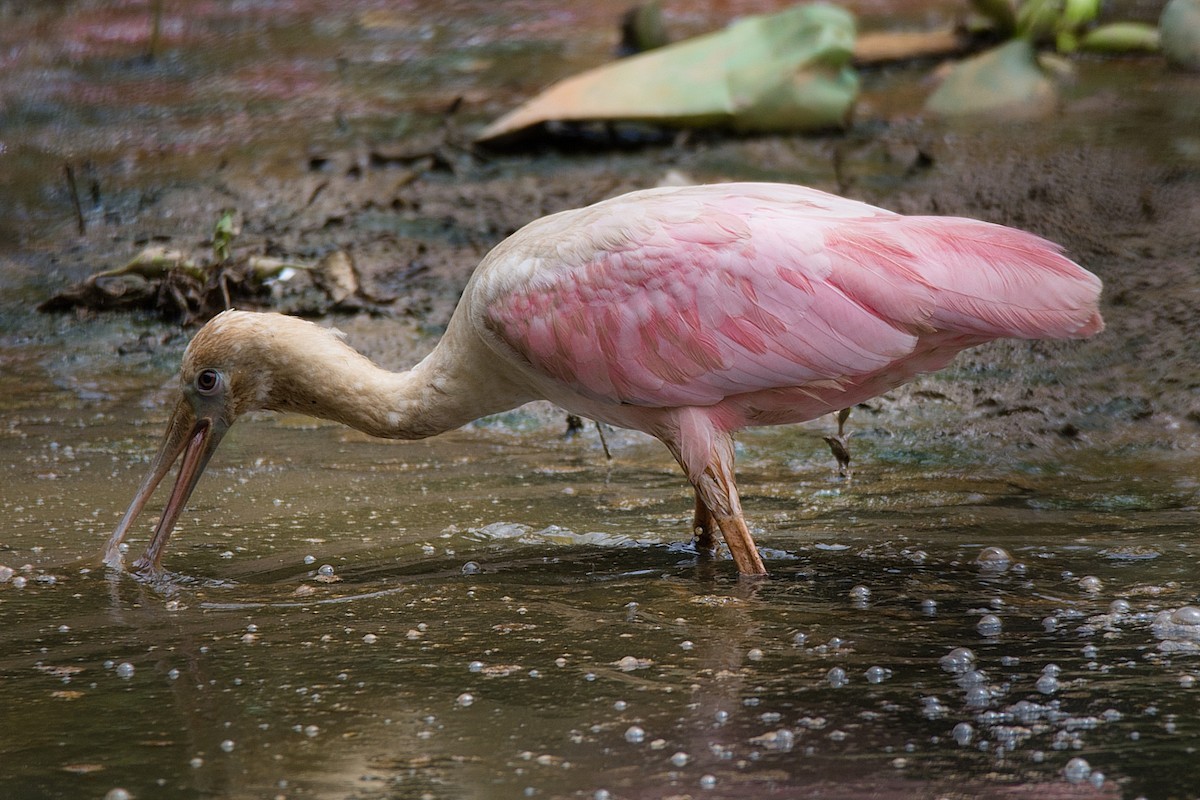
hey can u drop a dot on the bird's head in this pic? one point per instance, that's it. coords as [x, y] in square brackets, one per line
[227, 370]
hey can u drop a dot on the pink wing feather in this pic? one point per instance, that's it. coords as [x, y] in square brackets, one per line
[690, 296]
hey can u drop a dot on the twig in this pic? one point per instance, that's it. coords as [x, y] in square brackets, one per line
[79, 221]
[872, 49]
[155, 30]
[603, 441]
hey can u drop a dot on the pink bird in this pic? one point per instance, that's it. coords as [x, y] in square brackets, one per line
[686, 313]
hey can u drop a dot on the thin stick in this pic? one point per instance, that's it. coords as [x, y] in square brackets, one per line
[155, 29]
[79, 221]
[603, 441]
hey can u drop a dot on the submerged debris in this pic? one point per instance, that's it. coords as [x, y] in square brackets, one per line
[175, 285]
[171, 284]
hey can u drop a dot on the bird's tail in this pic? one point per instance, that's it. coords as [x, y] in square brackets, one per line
[973, 278]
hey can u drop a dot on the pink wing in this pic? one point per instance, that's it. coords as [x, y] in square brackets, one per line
[688, 297]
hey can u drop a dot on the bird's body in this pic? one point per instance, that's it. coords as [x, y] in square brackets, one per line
[686, 313]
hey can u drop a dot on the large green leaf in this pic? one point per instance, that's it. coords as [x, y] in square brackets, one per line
[788, 71]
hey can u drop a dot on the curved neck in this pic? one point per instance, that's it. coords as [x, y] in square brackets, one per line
[453, 385]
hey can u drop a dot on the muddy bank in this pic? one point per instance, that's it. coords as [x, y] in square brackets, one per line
[415, 226]
[1114, 176]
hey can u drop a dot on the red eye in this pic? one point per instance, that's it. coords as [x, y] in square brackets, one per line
[208, 381]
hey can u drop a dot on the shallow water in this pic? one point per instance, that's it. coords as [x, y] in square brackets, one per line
[509, 614]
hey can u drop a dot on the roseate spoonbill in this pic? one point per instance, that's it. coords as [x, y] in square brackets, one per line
[687, 313]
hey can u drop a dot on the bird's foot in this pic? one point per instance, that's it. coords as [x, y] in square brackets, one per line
[704, 541]
[841, 451]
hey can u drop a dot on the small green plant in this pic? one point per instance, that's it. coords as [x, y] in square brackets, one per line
[224, 233]
[1069, 25]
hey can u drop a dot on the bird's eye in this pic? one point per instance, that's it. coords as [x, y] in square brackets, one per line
[208, 381]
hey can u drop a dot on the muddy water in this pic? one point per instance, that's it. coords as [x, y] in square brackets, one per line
[502, 612]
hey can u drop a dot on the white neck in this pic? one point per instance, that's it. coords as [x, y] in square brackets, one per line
[312, 371]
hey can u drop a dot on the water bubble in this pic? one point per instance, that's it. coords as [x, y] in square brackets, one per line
[708, 781]
[227, 745]
[630, 663]
[475, 666]
[860, 594]
[878, 674]
[686, 645]
[1186, 615]
[1050, 624]
[1187, 681]
[721, 717]
[974, 677]
[620, 705]
[125, 670]
[755, 654]
[782, 740]
[1091, 584]
[994, 558]
[465, 699]
[680, 759]
[1097, 779]
[1077, 770]
[978, 696]
[929, 607]
[602, 794]
[118, 794]
[19, 582]
[799, 638]
[1119, 607]
[989, 625]
[471, 568]
[310, 559]
[932, 708]
[6, 573]
[173, 674]
[1047, 684]
[325, 570]
[197, 762]
[311, 731]
[963, 733]
[370, 638]
[836, 677]
[1052, 669]
[634, 734]
[957, 661]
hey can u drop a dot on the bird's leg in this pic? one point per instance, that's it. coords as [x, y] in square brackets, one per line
[839, 445]
[706, 455]
[704, 528]
[717, 492]
[745, 554]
